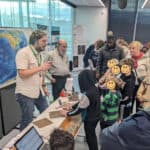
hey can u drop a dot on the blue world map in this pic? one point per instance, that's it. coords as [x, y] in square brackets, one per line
[10, 42]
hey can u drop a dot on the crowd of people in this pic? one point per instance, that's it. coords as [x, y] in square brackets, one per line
[115, 76]
[122, 73]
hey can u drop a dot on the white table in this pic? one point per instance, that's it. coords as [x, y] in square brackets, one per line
[45, 131]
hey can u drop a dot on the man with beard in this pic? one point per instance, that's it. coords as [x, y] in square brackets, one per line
[30, 87]
[60, 67]
[108, 52]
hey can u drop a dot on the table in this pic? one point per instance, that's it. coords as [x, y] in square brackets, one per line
[1, 130]
[46, 131]
[10, 110]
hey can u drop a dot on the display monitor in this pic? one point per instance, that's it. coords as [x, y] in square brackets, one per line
[31, 140]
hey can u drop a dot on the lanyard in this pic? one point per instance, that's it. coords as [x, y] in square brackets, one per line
[38, 58]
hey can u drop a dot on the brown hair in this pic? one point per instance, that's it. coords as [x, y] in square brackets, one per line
[127, 61]
[98, 44]
[122, 42]
[137, 44]
[61, 140]
[36, 35]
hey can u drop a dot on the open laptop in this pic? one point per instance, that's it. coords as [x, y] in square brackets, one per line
[31, 140]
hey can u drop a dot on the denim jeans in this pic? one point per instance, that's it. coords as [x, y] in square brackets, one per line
[27, 107]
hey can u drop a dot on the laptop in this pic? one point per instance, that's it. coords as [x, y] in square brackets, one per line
[31, 140]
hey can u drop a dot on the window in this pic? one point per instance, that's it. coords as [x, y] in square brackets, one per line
[131, 23]
[9, 14]
[122, 20]
[39, 13]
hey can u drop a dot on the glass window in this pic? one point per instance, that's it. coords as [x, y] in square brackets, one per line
[9, 14]
[62, 18]
[143, 24]
[122, 20]
[131, 23]
[39, 13]
[43, 14]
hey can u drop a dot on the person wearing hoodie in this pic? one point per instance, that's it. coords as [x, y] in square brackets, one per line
[88, 106]
[133, 133]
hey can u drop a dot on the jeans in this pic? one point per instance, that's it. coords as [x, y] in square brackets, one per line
[27, 107]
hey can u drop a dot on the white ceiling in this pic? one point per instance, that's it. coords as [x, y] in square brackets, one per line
[85, 2]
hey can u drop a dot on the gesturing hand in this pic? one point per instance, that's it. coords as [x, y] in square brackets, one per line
[45, 66]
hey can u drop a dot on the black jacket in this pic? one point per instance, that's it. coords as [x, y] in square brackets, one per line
[106, 54]
[129, 87]
[87, 87]
[87, 55]
[93, 111]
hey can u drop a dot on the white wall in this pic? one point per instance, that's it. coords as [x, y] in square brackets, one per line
[94, 20]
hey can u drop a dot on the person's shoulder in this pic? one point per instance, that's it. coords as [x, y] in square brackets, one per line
[143, 60]
[91, 47]
[103, 49]
[24, 50]
[147, 79]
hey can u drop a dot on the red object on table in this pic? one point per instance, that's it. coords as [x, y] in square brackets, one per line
[62, 94]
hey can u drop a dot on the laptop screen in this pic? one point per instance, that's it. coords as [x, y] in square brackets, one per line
[31, 140]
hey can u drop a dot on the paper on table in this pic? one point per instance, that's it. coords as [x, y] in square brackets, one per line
[73, 97]
[55, 114]
[71, 124]
[42, 123]
[73, 128]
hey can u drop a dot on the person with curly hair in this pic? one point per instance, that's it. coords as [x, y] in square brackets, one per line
[61, 140]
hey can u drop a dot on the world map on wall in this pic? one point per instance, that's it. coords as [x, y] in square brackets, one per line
[10, 42]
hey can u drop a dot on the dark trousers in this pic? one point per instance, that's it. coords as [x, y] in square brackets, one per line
[135, 99]
[105, 124]
[104, 92]
[58, 85]
[125, 108]
[91, 138]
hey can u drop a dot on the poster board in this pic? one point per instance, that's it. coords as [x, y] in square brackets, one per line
[11, 40]
[79, 46]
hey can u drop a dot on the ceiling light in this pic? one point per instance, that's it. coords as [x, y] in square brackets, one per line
[144, 4]
[102, 4]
